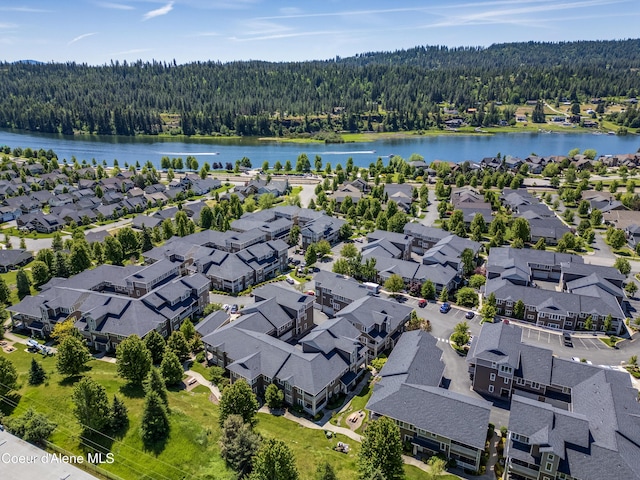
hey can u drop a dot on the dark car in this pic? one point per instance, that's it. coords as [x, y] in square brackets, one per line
[234, 308]
[469, 315]
[422, 303]
[566, 337]
[445, 307]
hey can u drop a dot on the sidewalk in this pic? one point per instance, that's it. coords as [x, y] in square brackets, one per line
[203, 381]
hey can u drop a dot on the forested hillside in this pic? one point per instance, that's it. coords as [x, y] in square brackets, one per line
[387, 91]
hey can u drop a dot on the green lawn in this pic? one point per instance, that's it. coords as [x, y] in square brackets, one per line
[610, 341]
[202, 370]
[192, 450]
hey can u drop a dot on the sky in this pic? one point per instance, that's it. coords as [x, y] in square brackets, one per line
[97, 32]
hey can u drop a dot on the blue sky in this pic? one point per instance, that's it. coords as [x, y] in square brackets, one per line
[97, 31]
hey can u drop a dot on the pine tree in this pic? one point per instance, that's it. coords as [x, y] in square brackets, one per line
[155, 383]
[37, 375]
[23, 284]
[155, 420]
[118, 416]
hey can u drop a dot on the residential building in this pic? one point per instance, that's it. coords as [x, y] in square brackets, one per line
[297, 306]
[432, 419]
[423, 237]
[335, 292]
[582, 291]
[401, 241]
[11, 259]
[322, 228]
[568, 420]
[379, 321]
[325, 363]
[108, 303]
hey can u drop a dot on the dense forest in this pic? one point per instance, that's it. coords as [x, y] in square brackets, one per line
[385, 91]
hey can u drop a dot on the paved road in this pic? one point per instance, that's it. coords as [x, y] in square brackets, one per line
[431, 214]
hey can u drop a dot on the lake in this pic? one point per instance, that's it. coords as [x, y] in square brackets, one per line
[455, 148]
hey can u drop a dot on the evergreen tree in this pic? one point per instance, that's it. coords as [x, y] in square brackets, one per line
[91, 405]
[8, 375]
[37, 375]
[118, 416]
[154, 426]
[178, 345]
[155, 383]
[238, 445]
[23, 284]
[156, 345]
[5, 293]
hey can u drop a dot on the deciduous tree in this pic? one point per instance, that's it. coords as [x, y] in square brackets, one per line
[156, 346]
[381, 449]
[133, 359]
[73, 356]
[91, 405]
[171, 368]
[274, 460]
[239, 399]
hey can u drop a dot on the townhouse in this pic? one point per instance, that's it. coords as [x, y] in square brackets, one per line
[327, 361]
[321, 228]
[379, 321]
[108, 303]
[423, 237]
[232, 269]
[401, 241]
[568, 420]
[543, 222]
[572, 290]
[335, 292]
[432, 419]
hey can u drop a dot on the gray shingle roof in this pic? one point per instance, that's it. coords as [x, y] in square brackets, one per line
[409, 391]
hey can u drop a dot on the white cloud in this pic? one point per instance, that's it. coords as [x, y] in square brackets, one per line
[7, 26]
[23, 9]
[158, 11]
[115, 6]
[80, 37]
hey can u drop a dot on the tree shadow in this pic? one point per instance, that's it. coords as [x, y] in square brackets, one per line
[94, 442]
[9, 402]
[157, 447]
[70, 380]
[132, 390]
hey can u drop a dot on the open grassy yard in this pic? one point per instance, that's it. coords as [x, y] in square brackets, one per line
[192, 449]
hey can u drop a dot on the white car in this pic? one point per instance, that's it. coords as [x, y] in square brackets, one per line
[226, 307]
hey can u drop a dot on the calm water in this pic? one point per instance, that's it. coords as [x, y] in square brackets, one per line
[456, 148]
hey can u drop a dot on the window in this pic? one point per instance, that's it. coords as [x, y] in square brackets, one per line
[548, 466]
[506, 381]
[550, 457]
[535, 385]
[492, 377]
[490, 388]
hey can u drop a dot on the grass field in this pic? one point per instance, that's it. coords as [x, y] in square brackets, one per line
[192, 448]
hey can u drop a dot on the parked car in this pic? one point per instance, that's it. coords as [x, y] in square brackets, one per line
[445, 307]
[234, 308]
[469, 315]
[566, 337]
[226, 307]
[290, 281]
[422, 303]
[310, 292]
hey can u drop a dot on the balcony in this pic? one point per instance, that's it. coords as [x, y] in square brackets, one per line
[467, 452]
[522, 470]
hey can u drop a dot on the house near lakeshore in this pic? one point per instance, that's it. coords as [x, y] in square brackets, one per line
[432, 419]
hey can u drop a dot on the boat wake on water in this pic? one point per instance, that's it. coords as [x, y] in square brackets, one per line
[358, 152]
[193, 154]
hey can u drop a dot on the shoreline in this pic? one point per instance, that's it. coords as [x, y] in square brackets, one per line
[361, 137]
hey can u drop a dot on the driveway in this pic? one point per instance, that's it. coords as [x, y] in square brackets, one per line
[431, 213]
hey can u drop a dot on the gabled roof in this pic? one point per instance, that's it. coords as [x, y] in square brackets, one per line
[409, 391]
